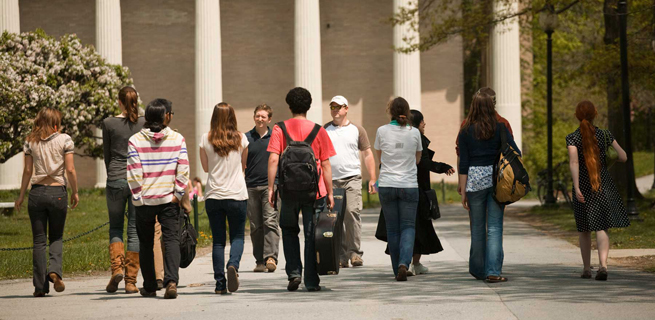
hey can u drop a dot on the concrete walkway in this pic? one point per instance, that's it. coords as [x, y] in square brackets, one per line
[543, 272]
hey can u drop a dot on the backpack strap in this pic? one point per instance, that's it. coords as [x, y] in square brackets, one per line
[283, 127]
[312, 135]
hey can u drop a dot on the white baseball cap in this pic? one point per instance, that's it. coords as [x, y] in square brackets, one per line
[340, 100]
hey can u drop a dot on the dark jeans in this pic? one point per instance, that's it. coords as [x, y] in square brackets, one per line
[291, 243]
[47, 205]
[399, 208]
[118, 195]
[168, 216]
[217, 212]
[486, 256]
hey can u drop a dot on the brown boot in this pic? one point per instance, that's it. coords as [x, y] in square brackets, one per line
[131, 271]
[117, 255]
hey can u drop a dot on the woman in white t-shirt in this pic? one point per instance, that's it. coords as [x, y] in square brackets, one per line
[398, 146]
[223, 154]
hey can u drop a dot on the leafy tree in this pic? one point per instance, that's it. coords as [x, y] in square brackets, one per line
[39, 71]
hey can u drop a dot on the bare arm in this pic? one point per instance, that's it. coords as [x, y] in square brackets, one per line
[418, 156]
[574, 166]
[462, 182]
[273, 160]
[623, 157]
[327, 178]
[25, 181]
[203, 160]
[244, 159]
[72, 178]
[369, 161]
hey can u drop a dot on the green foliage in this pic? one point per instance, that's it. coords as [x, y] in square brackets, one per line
[38, 71]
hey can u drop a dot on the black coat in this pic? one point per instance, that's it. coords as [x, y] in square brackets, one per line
[426, 240]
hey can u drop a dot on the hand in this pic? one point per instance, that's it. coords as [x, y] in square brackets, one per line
[450, 173]
[579, 196]
[19, 203]
[271, 197]
[186, 206]
[330, 202]
[465, 202]
[371, 187]
[75, 200]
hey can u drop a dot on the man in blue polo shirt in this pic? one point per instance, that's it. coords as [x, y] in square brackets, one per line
[264, 226]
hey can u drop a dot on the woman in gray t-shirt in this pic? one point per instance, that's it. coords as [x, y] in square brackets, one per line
[116, 131]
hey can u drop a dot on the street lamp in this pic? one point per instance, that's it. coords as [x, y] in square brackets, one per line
[633, 212]
[548, 22]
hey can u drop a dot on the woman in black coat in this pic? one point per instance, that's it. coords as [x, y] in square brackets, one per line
[426, 240]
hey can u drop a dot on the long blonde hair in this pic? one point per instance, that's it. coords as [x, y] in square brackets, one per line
[223, 134]
[47, 122]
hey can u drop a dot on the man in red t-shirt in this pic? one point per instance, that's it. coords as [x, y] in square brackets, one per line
[499, 118]
[298, 128]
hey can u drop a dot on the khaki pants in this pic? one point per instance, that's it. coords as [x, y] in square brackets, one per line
[352, 220]
[159, 254]
[264, 225]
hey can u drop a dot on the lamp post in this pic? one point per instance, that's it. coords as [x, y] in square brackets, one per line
[548, 22]
[633, 212]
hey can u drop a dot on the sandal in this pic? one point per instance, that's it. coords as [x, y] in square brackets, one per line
[495, 279]
[586, 274]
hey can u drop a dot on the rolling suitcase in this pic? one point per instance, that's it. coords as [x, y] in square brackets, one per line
[328, 233]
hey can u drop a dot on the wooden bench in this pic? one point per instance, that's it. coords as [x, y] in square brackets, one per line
[7, 208]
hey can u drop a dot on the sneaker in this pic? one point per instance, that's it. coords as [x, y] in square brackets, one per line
[293, 284]
[259, 268]
[58, 283]
[145, 293]
[419, 269]
[38, 294]
[160, 284]
[232, 279]
[343, 264]
[224, 291]
[357, 261]
[410, 272]
[402, 273]
[171, 291]
[271, 265]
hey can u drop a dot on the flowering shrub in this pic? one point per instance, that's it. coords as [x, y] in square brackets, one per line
[39, 71]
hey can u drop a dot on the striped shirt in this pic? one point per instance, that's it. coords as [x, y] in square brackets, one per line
[157, 167]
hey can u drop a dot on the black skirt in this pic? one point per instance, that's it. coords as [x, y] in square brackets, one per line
[426, 240]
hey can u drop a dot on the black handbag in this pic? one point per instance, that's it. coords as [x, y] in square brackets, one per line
[188, 241]
[433, 204]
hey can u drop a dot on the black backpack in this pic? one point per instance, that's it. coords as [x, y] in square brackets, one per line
[298, 173]
[188, 241]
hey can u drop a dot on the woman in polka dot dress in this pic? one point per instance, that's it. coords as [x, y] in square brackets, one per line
[597, 203]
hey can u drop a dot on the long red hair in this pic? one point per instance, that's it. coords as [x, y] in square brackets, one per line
[223, 134]
[586, 113]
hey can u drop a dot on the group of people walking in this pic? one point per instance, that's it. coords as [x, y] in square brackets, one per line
[148, 175]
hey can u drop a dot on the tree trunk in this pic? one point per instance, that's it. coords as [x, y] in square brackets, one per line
[614, 103]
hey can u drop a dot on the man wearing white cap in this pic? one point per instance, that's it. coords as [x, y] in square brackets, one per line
[349, 141]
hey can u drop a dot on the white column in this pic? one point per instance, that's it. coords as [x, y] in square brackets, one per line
[406, 66]
[308, 54]
[109, 46]
[506, 68]
[209, 80]
[12, 170]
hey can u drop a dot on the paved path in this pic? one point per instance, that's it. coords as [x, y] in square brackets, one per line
[644, 183]
[543, 272]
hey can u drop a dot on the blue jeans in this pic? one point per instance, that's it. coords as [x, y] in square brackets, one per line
[486, 215]
[399, 207]
[235, 212]
[291, 243]
[118, 195]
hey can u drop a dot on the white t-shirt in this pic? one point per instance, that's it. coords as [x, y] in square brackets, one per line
[226, 179]
[399, 146]
[348, 141]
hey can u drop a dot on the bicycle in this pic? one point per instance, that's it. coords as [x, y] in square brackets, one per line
[560, 187]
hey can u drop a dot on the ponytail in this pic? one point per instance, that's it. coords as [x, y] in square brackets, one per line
[398, 108]
[586, 112]
[130, 100]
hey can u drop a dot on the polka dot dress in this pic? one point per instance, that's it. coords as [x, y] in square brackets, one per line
[603, 209]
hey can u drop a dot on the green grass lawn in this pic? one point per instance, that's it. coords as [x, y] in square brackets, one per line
[639, 235]
[84, 255]
[643, 163]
